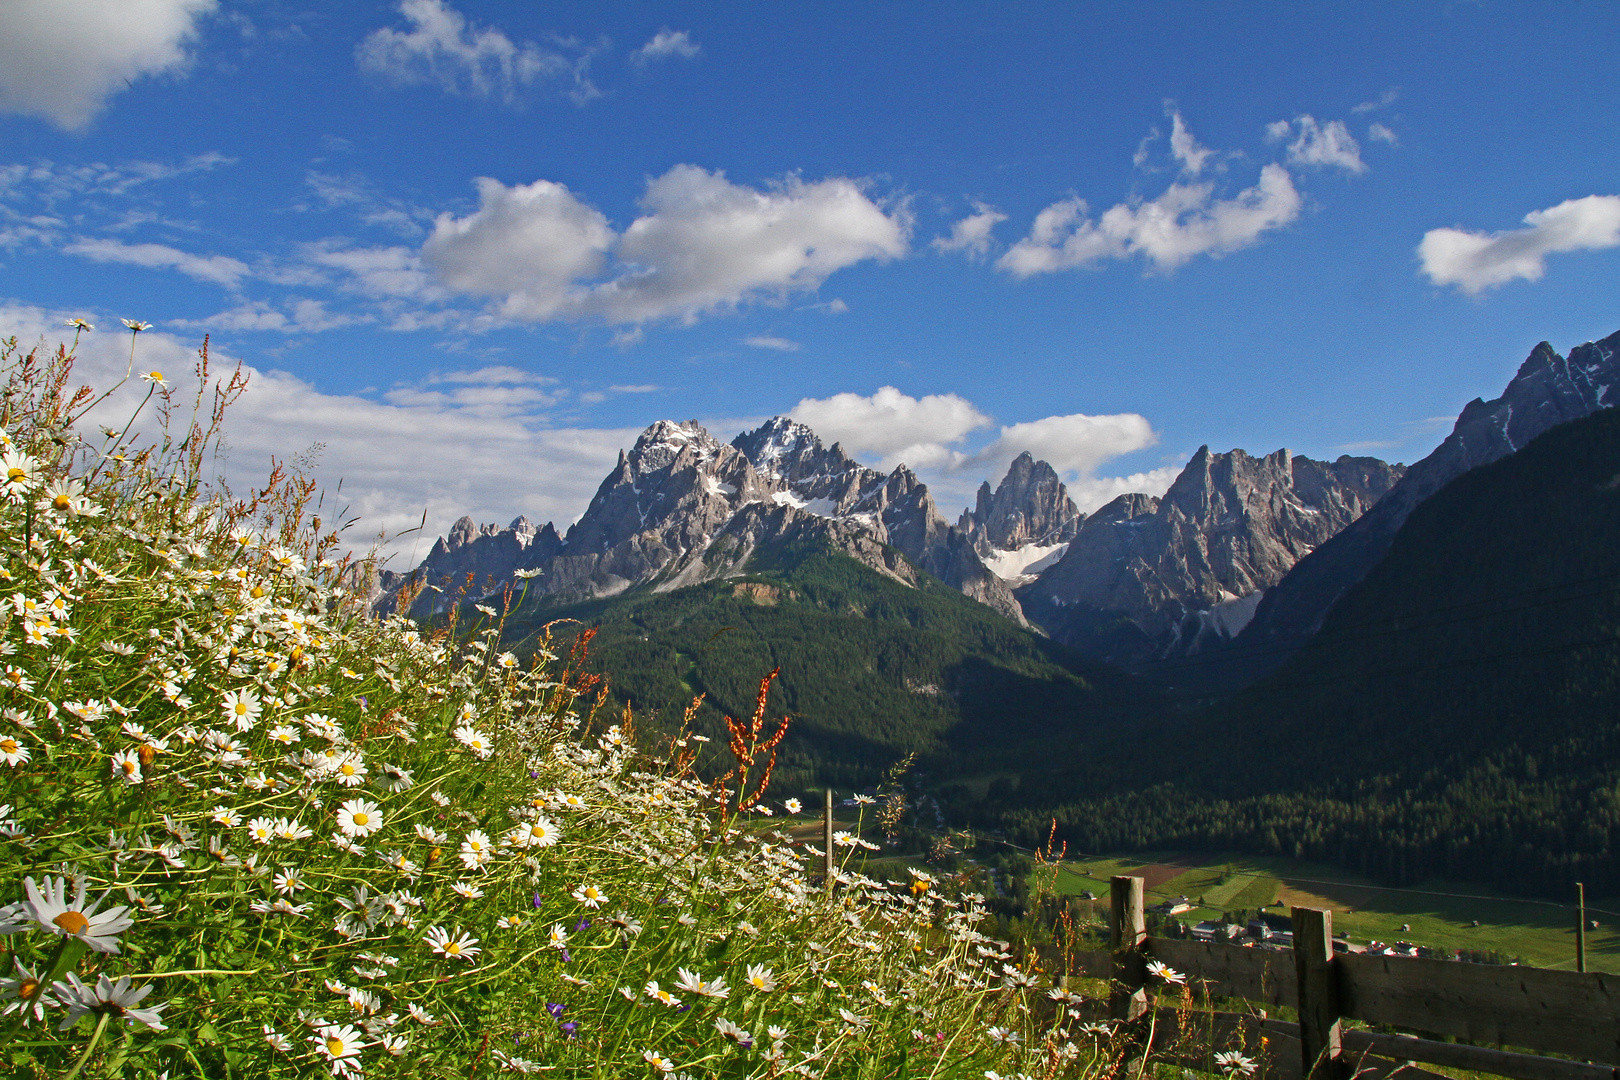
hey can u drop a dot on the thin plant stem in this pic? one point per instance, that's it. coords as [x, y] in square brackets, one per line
[95, 1039]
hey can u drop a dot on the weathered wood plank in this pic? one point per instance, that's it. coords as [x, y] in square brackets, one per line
[1475, 1058]
[1318, 987]
[1262, 975]
[1530, 1008]
[1127, 933]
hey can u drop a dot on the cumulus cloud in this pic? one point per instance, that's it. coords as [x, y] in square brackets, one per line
[1184, 222]
[972, 234]
[1475, 261]
[701, 243]
[667, 43]
[931, 435]
[1092, 493]
[486, 453]
[1328, 145]
[63, 60]
[441, 47]
[893, 427]
[1074, 445]
[527, 244]
[765, 341]
[219, 269]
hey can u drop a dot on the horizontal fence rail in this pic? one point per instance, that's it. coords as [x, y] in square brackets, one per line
[1535, 1009]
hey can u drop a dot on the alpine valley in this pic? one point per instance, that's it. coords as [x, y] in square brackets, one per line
[1040, 660]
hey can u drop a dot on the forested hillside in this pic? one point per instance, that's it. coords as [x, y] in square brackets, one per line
[1456, 716]
[871, 669]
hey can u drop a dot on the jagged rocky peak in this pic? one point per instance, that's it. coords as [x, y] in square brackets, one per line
[1029, 506]
[661, 444]
[1547, 390]
[1142, 574]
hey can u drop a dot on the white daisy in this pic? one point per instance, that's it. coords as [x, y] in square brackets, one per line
[359, 817]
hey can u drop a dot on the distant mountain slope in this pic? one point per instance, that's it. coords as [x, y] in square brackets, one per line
[1458, 714]
[1547, 390]
[872, 668]
[1146, 577]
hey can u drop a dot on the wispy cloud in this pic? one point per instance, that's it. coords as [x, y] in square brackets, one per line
[441, 47]
[667, 43]
[765, 341]
[218, 269]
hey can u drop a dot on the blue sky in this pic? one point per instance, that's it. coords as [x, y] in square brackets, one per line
[473, 247]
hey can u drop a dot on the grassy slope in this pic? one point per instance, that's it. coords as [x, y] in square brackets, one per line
[870, 669]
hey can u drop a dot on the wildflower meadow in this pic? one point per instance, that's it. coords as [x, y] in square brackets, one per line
[250, 829]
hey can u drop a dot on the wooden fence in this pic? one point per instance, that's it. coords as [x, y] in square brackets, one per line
[1528, 1009]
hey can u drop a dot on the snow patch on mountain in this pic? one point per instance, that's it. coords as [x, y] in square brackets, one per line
[1022, 565]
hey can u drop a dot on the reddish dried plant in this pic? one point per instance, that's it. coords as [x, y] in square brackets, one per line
[748, 747]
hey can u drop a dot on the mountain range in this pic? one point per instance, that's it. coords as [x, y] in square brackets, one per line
[1027, 651]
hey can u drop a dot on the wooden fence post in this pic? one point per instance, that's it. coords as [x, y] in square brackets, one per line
[1127, 931]
[826, 841]
[1321, 1053]
[1580, 926]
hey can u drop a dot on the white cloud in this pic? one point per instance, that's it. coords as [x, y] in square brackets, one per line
[308, 317]
[893, 427]
[1475, 261]
[1379, 133]
[1184, 222]
[1385, 100]
[62, 60]
[483, 453]
[1073, 445]
[219, 269]
[640, 388]
[528, 244]
[972, 234]
[1322, 145]
[376, 272]
[442, 47]
[1185, 148]
[929, 434]
[665, 43]
[702, 243]
[1092, 493]
[765, 341]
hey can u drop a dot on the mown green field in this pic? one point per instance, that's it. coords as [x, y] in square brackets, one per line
[1439, 915]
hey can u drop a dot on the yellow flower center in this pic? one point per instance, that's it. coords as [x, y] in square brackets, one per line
[155, 376]
[72, 921]
[240, 708]
[335, 1047]
[347, 769]
[362, 819]
[8, 746]
[27, 988]
[452, 949]
[62, 502]
[14, 474]
[129, 768]
[256, 592]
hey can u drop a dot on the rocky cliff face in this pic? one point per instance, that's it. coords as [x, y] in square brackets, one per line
[1547, 390]
[681, 507]
[1029, 506]
[1148, 577]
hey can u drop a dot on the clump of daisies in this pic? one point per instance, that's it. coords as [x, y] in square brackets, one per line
[249, 827]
